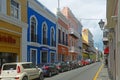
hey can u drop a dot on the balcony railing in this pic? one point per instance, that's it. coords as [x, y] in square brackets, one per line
[53, 43]
[33, 37]
[63, 42]
[105, 37]
[74, 49]
[44, 40]
[74, 33]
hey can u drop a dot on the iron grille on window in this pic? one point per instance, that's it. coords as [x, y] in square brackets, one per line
[33, 37]
[45, 40]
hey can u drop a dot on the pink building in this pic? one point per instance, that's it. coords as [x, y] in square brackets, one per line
[62, 37]
[74, 35]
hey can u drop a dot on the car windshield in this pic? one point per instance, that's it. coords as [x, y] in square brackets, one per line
[9, 67]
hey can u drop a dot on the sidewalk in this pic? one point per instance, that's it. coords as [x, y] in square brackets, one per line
[103, 75]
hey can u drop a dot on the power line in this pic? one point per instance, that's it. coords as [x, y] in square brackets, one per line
[91, 19]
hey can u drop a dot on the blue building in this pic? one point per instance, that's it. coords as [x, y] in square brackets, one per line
[41, 35]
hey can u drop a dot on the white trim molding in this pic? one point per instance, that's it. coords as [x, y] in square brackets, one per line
[38, 7]
[12, 20]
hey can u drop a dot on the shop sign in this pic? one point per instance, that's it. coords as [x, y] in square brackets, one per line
[7, 39]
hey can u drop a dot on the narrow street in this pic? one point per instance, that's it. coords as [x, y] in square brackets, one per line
[83, 73]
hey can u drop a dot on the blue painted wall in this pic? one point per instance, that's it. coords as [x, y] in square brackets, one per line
[40, 19]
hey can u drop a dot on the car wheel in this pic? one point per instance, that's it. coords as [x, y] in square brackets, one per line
[50, 74]
[41, 77]
[25, 78]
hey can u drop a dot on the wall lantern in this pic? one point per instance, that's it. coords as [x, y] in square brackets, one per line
[101, 24]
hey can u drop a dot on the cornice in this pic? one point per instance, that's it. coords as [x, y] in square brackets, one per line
[12, 20]
[63, 18]
[39, 8]
[39, 45]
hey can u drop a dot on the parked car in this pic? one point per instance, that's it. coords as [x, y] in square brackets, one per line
[87, 61]
[71, 65]
[49, 69]
[21, 71]
[0, 70]
[62, 66]
[75, 64]
[80, 63]
[83, 62]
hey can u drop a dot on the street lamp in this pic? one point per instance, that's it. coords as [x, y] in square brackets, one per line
[101, 24]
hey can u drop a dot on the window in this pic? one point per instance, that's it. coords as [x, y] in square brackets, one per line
[33, 30]
[44, 35]
[60, 57]
[52, 57]
[29, 65]
[52, 37]
[9, 67]
[15, 9]
[63, 37]
[44, 57]
[66, 39]
[33, 56]
[59, 36]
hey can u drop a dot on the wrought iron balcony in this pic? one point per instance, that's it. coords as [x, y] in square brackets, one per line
[53, 43]
[74, 33]
[33, 37]
[105, 37]
[44, 40]
[74, 49]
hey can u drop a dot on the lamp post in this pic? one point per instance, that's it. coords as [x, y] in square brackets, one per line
[101, 24]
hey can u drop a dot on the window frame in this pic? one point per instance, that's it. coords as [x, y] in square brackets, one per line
[46, 34]
[41, 52]
[52, 36]
[14, 9]
[35, 27]
[31, 56]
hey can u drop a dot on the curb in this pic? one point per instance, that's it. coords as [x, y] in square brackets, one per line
[97, 73]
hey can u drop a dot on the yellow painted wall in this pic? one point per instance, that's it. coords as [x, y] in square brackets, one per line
[23, 5]
[85, 35]
[23, 10]
[10, 26]
[8, 7]
[85, 55]
[9, 29]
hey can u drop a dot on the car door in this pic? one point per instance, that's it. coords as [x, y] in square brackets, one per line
[35, 71]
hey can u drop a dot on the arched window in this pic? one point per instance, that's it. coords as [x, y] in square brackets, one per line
[52, 37]
[33, 30]
[44, 35]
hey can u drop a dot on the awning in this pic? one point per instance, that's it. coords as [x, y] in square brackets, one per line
[106, 50]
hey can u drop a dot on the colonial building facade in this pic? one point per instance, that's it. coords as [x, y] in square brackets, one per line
[13, 28]
[74, 35]
[89, 52]
[63, 54]
[41, 34]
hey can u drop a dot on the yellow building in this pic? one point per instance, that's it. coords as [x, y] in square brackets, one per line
[85, 42]
[88, 47]
[13, 29]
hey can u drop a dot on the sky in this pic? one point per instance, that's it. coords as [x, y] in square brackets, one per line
[89, 12]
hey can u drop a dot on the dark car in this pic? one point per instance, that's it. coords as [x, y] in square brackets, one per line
[62, 66]
[49, 69]
[70, 64]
